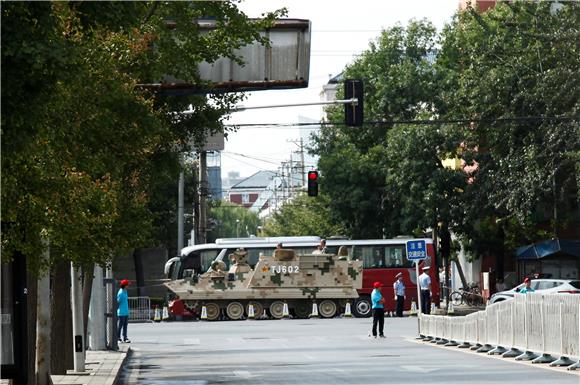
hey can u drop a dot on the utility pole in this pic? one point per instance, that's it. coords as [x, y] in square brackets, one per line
[203, 192]
[180, 212]
[302, 166]
[195, 210]
[291, 176]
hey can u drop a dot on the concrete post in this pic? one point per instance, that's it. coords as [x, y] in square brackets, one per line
[77, 317]
[97, 310]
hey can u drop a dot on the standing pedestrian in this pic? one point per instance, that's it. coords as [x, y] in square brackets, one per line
[527, 288]
[425, 285]
[123, 311]
[378, 310]
[399, 289]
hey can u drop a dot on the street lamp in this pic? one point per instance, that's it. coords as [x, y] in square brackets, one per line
[237, 228]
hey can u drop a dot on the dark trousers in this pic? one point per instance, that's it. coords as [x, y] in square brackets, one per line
[400, 303]
[378, 317]
[425, 302]
[123, 321]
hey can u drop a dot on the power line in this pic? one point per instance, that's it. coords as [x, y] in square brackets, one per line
[412, 122]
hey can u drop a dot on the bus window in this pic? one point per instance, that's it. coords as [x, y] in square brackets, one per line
[373, 257]
[395, 256]
[207, 257]
[175, 270]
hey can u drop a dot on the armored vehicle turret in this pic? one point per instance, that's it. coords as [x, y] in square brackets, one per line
[284, 278]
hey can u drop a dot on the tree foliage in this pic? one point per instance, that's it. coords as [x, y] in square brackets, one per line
[304, 216]
[510, 71]
[83, 150]
[232, 221]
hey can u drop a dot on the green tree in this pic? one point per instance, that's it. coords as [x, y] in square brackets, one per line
[83, 150]
[518, 60]
[232, 221]
[305, 216]
[398, 74]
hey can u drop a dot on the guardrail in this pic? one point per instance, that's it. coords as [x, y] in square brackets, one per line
[139, 309]
[532, 326]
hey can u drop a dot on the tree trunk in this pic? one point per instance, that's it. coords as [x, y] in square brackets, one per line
[61, 320]
[88, 275]
[460, 271]
[32, 287]
[43, 331]
[43, 326]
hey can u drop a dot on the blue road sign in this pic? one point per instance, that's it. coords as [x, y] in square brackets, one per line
[416, 250]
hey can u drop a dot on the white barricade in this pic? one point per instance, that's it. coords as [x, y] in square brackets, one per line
[520, 321]
[471, 328]
[551, 321]
[139, 309]
[491, 325]
[534, 322]
[548, 324]
[505, 332]
[481, 329]
[570, 324]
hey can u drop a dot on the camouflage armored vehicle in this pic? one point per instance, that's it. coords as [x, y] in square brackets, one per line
[328, 279]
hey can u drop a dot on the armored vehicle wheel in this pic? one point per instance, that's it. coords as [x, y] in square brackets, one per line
[258, 309]
[235, 310]
[302, 309]
[277, 309]
[362, 307]
[213, 311]
[327, 308]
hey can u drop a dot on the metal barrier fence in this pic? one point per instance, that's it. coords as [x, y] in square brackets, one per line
[542, 326]
[139, 309]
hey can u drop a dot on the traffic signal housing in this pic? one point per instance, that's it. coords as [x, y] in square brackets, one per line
[353, 114]
[312, 183]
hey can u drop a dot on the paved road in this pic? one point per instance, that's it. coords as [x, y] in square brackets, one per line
[325, 351]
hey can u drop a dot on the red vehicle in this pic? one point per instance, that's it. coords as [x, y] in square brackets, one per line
[382, 260]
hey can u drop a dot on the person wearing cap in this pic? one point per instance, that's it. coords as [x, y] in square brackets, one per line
[527, 288]
[425, 285]
[123, 310]
[378, 310]
[399, 289]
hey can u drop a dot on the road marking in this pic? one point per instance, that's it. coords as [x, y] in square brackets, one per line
[417, 369]
[309, 357]
[244, 374]
[191, 341]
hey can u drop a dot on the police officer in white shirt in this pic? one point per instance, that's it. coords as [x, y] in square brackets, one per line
[425, 286]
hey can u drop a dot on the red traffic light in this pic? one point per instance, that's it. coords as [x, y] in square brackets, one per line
[312, 183]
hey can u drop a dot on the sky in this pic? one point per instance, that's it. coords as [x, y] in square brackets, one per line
[340, 31]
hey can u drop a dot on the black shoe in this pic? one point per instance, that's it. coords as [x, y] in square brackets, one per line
[382, 336]
[120, 340]
[127, 341]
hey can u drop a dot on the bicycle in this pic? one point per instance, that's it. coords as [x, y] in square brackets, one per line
[470, 296]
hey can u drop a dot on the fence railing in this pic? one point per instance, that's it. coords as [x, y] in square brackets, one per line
[538, 326]
[139, 309]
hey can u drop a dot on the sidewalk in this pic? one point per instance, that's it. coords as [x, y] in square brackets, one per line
[102, 368]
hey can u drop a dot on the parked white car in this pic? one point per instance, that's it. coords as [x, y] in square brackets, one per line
[547, 286]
